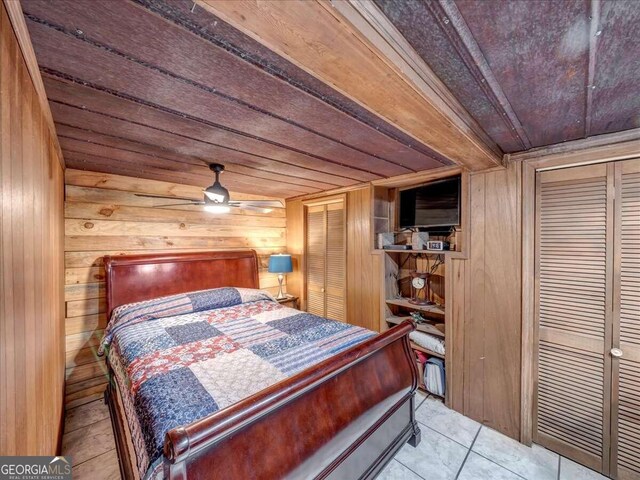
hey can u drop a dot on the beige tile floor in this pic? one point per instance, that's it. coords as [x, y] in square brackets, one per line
[453, 447]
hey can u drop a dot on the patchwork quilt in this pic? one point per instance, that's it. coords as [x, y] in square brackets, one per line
[179, 358]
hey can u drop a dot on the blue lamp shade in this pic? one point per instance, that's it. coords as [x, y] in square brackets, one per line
[280, 263]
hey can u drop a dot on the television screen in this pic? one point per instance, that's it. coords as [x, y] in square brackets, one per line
[434, 205]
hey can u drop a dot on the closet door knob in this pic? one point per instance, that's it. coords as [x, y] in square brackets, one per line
[616, 352]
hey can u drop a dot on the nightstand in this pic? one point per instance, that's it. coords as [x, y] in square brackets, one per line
[289, 301]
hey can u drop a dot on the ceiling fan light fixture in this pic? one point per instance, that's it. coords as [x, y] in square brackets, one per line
[216, 192]
[217, 208]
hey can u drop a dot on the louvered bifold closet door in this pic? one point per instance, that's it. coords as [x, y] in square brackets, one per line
[336, 262]
[316, 246]
[626, 368]
[573, 313]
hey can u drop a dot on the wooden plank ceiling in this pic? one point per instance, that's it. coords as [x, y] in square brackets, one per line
[155, 90]
[158, 88]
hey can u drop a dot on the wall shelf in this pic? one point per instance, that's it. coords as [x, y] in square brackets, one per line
[403, 302]
[421, 327]
[415, 346]
[446, 253]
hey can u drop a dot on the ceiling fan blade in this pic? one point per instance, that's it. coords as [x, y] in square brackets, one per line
[254, 208]
[150, 195]
[258, 203]
[178, 204]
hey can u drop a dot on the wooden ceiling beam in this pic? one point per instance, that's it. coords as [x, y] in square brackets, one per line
[316, 37]
[608, 147]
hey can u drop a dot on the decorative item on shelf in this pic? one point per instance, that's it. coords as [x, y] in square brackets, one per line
[280, 264]
[385, 239]
[397, 247]
[419, 240]
[420, 288]
[417, 317]
[437, 245]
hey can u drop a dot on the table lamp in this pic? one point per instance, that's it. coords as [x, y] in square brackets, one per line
[280, 264]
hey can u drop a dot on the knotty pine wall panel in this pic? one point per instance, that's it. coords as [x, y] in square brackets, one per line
[104, 216]
[31, 263]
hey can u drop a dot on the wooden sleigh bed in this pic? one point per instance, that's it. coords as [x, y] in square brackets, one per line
[356, 441]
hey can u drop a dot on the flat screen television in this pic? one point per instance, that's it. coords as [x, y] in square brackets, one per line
[436, 204]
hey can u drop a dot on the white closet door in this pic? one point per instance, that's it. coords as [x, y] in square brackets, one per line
[626, 368]
[573, 311]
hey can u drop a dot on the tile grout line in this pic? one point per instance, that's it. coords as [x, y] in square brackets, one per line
[468, 452]
[442, 434]
[409, 468]
[423, 400]
[394, 457]
[501, 466]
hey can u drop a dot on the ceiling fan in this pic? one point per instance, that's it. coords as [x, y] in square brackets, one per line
[216, 198]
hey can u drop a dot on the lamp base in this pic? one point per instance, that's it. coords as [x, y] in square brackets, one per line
[281, 294]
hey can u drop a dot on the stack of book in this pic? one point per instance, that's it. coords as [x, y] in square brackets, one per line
[434, 376]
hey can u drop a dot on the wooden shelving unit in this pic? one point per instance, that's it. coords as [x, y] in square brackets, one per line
[396, 264]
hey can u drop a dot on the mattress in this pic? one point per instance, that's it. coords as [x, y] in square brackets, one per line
[180, 358]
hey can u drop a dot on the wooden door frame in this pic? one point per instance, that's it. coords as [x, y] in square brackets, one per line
[583, 152]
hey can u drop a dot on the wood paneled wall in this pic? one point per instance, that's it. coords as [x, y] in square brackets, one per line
[103, 216]
[483, 293]
[363, 267]
[31, 268]
[492, 293]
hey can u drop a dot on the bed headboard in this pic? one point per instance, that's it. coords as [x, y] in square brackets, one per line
[133, 278]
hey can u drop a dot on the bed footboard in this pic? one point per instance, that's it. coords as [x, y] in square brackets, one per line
[343, 419]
